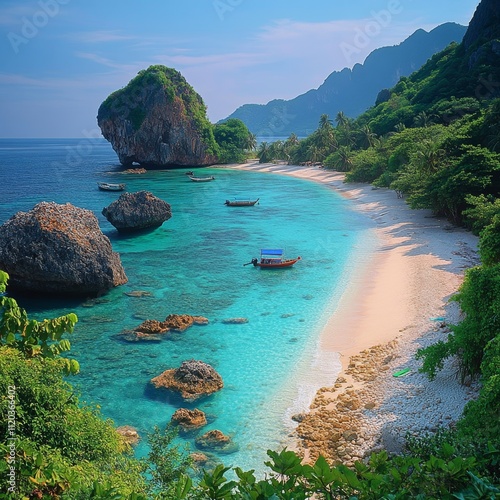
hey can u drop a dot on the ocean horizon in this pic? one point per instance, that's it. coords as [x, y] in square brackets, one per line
[193, 264]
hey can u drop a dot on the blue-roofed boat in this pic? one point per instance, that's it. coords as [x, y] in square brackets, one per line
[272, 258]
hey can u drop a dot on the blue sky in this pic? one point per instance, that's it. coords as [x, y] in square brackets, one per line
[59, 59]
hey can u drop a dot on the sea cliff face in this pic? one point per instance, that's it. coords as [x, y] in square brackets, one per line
[158, 120]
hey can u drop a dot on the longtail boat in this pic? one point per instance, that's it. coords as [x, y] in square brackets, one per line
[272, 258]
[106, 186]
[241, 203]
[202, 179]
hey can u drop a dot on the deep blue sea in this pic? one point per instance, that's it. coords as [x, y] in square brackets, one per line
[193, 264]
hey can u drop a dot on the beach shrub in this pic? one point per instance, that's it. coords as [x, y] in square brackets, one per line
[445, 476]
[479, 299]
[485, 410]
[59, 443]
[481, 211]
[34, 338]
[489, 242]
[367, 165]
[167, 463]
[473, 171]
[51, 443]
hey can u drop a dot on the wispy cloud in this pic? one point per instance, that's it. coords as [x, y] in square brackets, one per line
[99, 37]
[13, 15]
[105, 61]
[64, 86]
[323, 41]
[211, 62]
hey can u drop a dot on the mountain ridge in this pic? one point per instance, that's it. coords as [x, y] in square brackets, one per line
[349, 90]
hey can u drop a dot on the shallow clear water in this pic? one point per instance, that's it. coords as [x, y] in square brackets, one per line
[193, 264]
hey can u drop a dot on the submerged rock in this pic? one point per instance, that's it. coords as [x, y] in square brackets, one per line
[151, 326]
[137, 211]
[178, 322]
[235, 321]
[192, 380]
[58, 249]
[217, 441]
[134, 336]
[152, 329]
[158, 119]
[188, 420]
[129, 434]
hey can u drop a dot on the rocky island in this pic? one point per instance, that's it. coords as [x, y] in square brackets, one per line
[158, 120]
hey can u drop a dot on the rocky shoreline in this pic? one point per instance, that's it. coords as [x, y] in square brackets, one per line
[368, 409]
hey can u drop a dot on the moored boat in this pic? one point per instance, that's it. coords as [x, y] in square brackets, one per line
[272, 258]
[241, 203]
[107, 186]
[202, 179]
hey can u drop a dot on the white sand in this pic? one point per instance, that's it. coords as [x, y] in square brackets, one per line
[417, 267]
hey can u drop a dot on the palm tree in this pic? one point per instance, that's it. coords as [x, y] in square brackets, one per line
[293, 140]
[263, 152]
[367, 137]
[276, 151]
[314, 153]
[343, 159]
[342, 120]
[325, 122]
[423, 119]
[346, 136]
[250, 142]
[430, 156]
[400, 127]
[289, 144]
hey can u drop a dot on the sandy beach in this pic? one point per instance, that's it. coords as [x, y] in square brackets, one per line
[397, 302]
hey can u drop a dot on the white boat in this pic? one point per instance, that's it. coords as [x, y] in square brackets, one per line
[241, 203]
[202, 179]
[106, 186]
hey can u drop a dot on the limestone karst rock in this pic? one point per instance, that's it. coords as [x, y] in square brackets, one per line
[158, 120]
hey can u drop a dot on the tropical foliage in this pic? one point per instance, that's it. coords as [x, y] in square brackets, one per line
[434, 138]
[234, 140]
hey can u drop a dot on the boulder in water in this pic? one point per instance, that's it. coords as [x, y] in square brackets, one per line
[58, 249]
[137, 211]
[192, 380]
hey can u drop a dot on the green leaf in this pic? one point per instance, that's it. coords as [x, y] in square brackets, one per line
[183, 487]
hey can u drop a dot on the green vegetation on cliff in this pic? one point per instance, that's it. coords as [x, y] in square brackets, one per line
[135, 100]
[159, 106]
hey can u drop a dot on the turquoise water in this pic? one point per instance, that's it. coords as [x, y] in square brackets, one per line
[193, 264]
